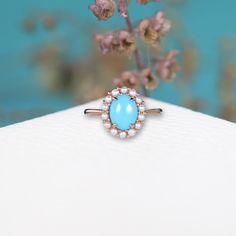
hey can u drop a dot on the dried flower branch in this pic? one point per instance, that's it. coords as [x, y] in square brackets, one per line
[150, 30]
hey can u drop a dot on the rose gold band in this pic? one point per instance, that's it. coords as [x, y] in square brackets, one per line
[99, 111]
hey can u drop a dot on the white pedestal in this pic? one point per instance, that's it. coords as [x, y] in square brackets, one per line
[64, 175]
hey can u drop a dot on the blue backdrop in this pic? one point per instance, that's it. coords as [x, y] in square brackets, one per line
[205, 23]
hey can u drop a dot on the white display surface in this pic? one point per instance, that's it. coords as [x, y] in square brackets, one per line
[64, 175]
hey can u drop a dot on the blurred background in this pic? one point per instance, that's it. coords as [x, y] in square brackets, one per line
[49, 61]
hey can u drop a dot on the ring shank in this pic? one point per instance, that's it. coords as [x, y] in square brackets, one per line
[93, 112]
[98, 112]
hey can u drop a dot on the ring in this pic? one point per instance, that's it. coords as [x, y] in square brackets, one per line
[123, 112]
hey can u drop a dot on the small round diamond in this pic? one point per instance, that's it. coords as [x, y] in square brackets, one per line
[138, 125]
[115, 92]
[131, 132]
[107, 125]
[139, 100]
[132, 92]
[141, 108]
[108, 99]
[113, 132]
[124, 90]
[141, 117]
[104, 116]
[123, 135]
[105, 107]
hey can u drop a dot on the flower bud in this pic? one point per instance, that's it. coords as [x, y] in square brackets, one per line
[103, 9]
[122, 8]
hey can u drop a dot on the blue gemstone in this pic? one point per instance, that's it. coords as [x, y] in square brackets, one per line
[123, 112]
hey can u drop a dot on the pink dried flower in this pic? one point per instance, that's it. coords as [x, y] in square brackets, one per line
[105, 42]
[128, 79]
[118, 82]
[167, 67]
[103, 9]
[119, 41]
[151, 30]
[127, 42]
[148, 79]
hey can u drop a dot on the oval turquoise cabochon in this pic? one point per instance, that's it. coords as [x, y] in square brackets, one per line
[123, 112]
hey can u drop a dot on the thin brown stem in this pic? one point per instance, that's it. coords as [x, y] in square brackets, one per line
[136, 54]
